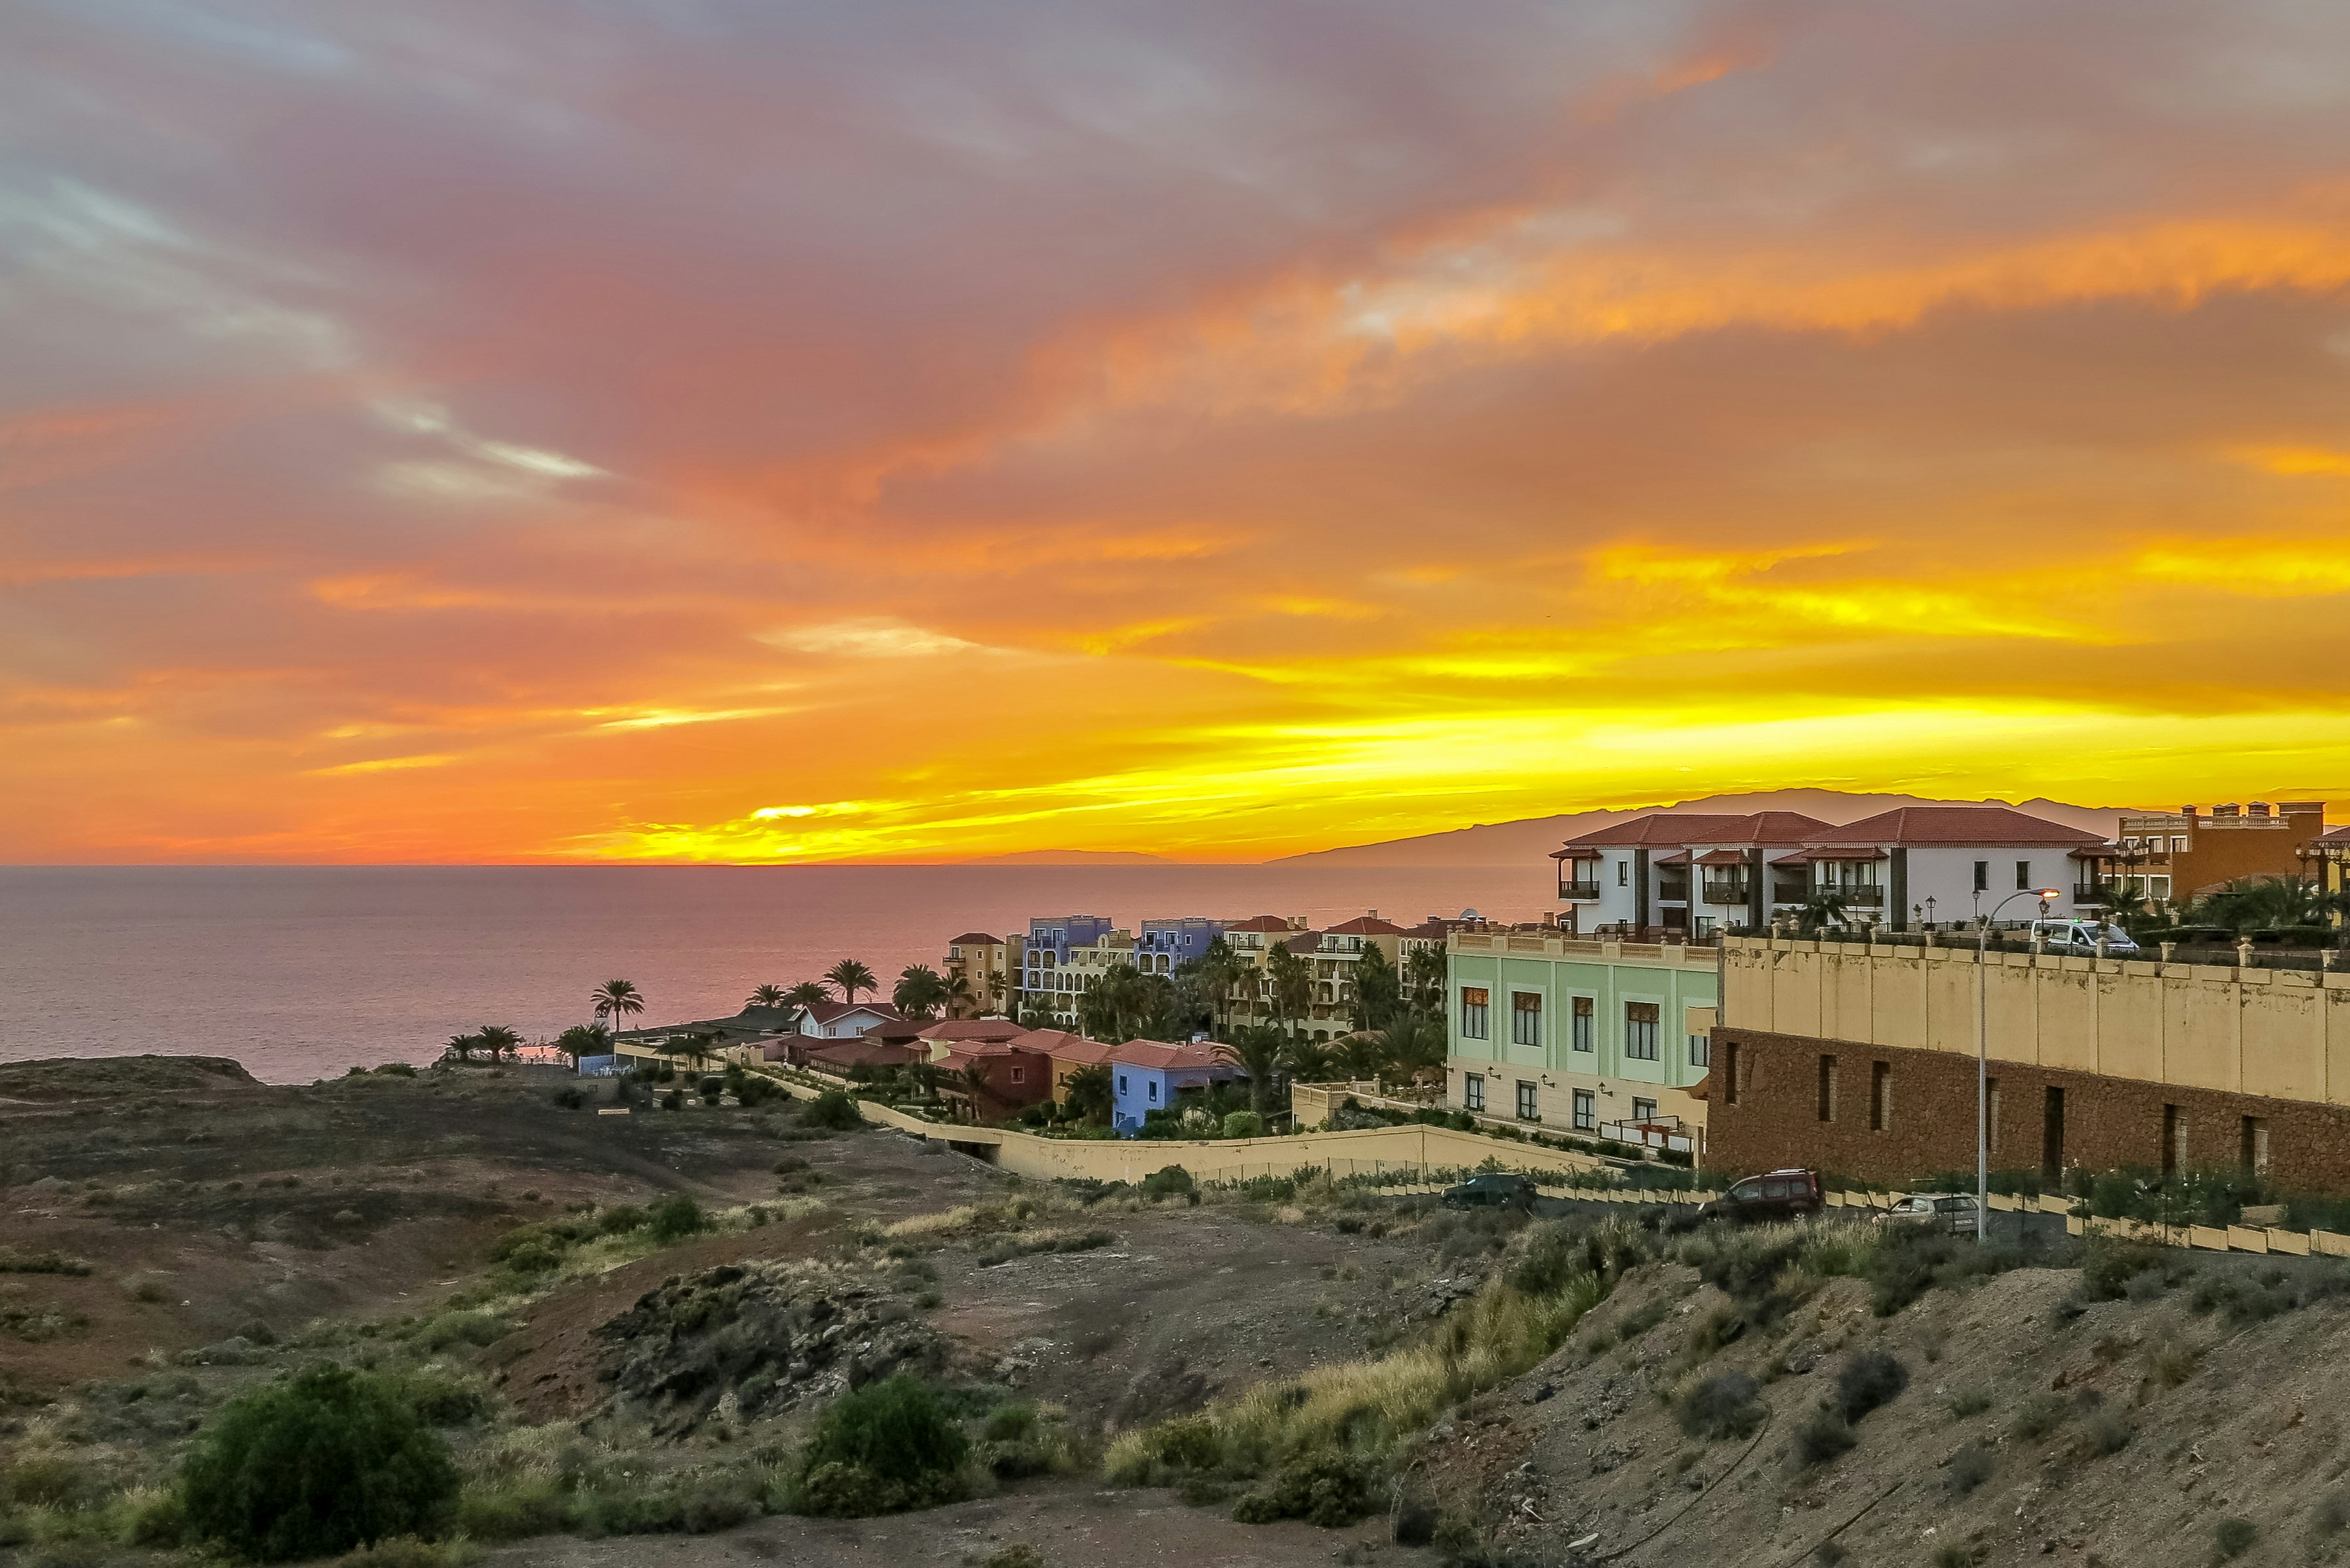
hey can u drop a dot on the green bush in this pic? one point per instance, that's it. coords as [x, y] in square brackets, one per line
[1970, 1466]
[1331, 1489]
[476, 1328]
[832, 1110]
[617, 1220]
[889, 1446]
[1168, 1181]
[1728, 1405]
[1868, 1380]
[1821, 1436]
[1244, 1124]
[1912, 1260]
[675, 1218]
[2234, 1537]
[2110, 1266]
[324, 1461]
[2040, 1415]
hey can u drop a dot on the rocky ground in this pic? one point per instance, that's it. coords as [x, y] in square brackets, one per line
[171, 1231]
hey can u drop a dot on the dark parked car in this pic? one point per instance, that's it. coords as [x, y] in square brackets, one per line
[1491, 1192]
[1773, 1195]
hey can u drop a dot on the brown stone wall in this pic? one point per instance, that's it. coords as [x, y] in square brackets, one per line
[1929, 1104]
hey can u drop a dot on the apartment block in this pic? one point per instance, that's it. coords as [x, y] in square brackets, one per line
[2172, 857]
[1580, 1035]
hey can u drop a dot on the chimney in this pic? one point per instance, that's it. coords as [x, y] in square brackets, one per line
[2229, 811]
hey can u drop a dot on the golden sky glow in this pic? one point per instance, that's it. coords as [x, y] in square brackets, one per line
[913, 431]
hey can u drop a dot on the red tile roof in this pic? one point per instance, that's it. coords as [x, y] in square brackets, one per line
[1259, 923]
[1721, 858]
[826, 1012]
[1365, 926]
[866, 1052]
[1955, 826]
[2337, 839]
[1159, 1055]
[1682, 829]
[1062, 1046]
[953, 1029]
[979, 938]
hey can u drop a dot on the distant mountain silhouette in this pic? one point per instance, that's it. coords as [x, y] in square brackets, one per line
[1530, 839]
[1069, 857]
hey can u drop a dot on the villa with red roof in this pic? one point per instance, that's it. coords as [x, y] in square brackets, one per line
[1148, 1076]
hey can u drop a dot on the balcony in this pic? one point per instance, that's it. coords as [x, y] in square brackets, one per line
[2088, 892]
[1858, 898]
[1726, 892]
[1579, 892]
[1672, 892]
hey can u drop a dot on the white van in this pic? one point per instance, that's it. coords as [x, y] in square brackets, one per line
[2081, 937]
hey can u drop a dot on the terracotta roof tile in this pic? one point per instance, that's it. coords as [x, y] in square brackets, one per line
[1955, 826]
[1365, 926]
[1159, 1055]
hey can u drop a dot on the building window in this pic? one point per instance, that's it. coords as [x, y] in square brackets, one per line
[2178, 845]
[1623, 873]
[2023, 876]
[1474, 1012]
[1700, 1050]
[1643, 1110]
[1586, 1110]
[1154, 1091]
[1579, 1031]
[1880, 1096]
[1529, 1103]
[1122, 1083]
[1526, 1018]
[1982, 875]
[1827, 1088]
[1473, 1091]
[2158, 889]
[1640, 1031]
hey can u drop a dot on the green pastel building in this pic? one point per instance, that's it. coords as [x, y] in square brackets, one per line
[1581, 1036]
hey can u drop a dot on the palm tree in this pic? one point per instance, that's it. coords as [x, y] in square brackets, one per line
[919, 992]
[1415, 1042]
[1364, 1054]
[972, 1079]
[959, 996]
[498, 1040]
[1259, 1050]
[2124, 903]
[1424, 979]
[1289, 981]
[808, 993]
[584, 1039]
[851, 977]
[1220, 968]
[1821, 911]
[1305, 1060]
[1087, 1093]
[615, 999]
[462, 1046]
[766, 996]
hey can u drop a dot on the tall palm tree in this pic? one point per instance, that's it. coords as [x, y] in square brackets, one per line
[1220, 968]
[1415, 1042]
[1259, 1051]
[919, 992]
[615, 999]
[1289, 983]
[972, 1081]
[851, 977]
[808, 993]
[1305, 1060]
[1364, 1054]
[584, 1039]
[1821, 911]
[462, 1046]
[766, 996]
[960, 1002]
[498, 1040]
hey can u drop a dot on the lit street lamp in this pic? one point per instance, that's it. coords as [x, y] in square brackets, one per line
[1982, 1056]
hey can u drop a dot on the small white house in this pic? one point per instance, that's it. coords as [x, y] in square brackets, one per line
[1944, 865]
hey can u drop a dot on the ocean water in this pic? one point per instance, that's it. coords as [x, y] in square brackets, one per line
[302, 971]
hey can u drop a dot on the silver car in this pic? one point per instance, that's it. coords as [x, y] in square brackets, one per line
[1953, 1212]
[2080, 937]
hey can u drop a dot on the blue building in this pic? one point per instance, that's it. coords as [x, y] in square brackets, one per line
[1148, 1075]
[1161, 945]
[1050, 938]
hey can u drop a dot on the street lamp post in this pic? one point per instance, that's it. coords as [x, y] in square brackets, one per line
[1982, 1056]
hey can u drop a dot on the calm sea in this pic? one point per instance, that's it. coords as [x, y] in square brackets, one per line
[300, 972]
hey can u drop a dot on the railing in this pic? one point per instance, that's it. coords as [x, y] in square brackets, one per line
[1726, 893]
[1858, 898]
[1652, 1135]
[1583, 892]
[2088, 892]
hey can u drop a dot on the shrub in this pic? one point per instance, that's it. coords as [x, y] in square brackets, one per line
[2040, 1415]
[625, 1218]
[1168, 1181]
[2106, 1432]
[2332, 1514]
[1868, 1380]
[889, 1446]
[1244, 1124]
[1912, 1260]
[1821, 1436]
[2110, 1266]
[1969, 1467]
[673, 1101]
[1728, 1405]
[1968, 1402]
[48, 1480]
[833, 1110]
[570, 1097]
[326, 1461]
[675, 1218]
[2170, 1362]
[1331, 1489]
[461, 1328]
[2234, 1537]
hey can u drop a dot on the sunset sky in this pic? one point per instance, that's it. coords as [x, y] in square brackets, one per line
[754, 431]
